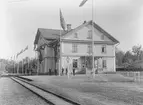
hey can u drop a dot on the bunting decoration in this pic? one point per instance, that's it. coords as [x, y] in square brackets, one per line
[26, 48]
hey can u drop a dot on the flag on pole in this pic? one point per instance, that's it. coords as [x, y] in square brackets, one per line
[26, 48]
[21, 51]
[82, 3]
[17, 55]
[62, 21]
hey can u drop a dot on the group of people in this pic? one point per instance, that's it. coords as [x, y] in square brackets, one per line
[50, 72]
[65, 71]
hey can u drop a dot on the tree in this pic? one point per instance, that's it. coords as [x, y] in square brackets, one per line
[137, 51]
[119, 57]
[141, 55]
[128, 57]
[33, 65]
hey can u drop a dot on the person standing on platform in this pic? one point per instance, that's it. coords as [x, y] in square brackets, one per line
[73, 71]
[62, 71]
[66, 71]
[50, 71]
[55, 71]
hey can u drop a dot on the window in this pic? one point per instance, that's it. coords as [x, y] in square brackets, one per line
[104, 64]
[75, 35]
[102, 37]
[103, 49]
[74, 48]
[89, 49]
[89, 34]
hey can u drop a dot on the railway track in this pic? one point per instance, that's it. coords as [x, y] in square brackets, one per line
[49, 97]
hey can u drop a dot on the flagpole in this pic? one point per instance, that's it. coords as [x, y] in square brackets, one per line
[17, 64]
[81, 4]
[62, 22]
[22, 67]
[36, 58]
[60, 61]
[17, 67]
[93, 69]
[60, 55]
[14, 64]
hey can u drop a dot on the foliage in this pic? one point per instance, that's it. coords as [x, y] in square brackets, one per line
[129, 56]
[137, 51]
[119, 57]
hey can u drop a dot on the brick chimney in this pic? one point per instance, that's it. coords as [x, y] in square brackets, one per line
[68, 27]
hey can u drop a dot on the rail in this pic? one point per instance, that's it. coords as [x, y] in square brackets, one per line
[49, 97]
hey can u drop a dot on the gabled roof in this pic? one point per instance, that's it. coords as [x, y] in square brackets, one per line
[104, 32]
[54, 34]
[49, 34]
[96, 27]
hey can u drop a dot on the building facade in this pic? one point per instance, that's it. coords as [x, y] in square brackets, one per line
[76, 48]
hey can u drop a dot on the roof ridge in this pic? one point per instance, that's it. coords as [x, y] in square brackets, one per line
[49, 29]
[53, 32]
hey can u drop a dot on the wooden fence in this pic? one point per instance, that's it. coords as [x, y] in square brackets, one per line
[135, 73]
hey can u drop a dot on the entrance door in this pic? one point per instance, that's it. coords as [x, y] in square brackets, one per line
[75, 63]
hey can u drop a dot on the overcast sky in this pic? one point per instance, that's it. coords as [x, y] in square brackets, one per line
[20, 19]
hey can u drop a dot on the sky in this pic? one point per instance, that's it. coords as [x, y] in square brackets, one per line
[20, 19]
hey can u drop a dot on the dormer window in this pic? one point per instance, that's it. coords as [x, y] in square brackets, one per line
[75, 35]
[89, 34]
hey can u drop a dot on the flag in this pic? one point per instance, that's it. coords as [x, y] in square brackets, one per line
[17, 55]
[82, 3]
[26, 48]
[62, 21]
[21, 51]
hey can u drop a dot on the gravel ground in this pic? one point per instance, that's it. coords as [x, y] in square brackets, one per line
[11, 93]
[108, 92]
[122, 93]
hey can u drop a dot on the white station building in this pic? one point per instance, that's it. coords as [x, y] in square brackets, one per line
[76, 48]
